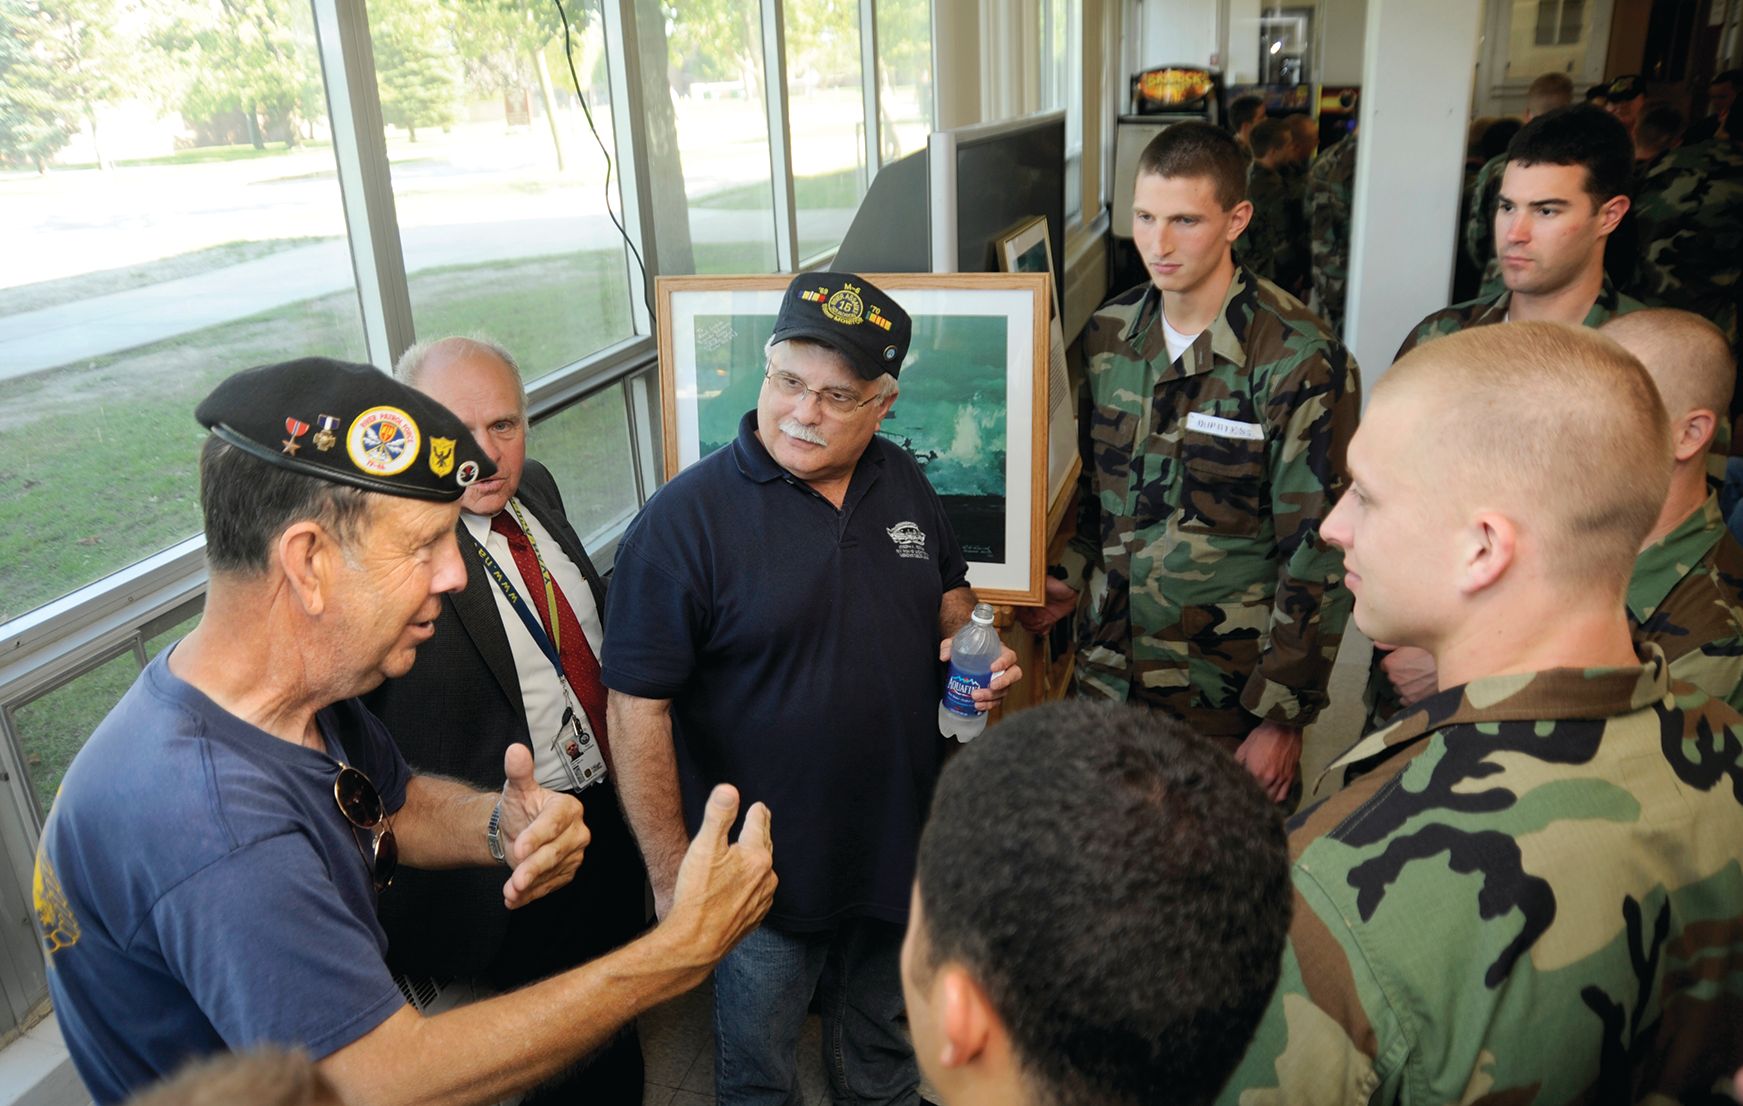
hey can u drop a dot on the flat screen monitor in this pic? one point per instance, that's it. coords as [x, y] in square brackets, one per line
[988, 177]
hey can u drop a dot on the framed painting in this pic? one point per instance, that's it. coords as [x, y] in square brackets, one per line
[972, 411]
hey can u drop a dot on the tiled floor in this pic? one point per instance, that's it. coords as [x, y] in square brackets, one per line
[678, 1051]
[678, 1038]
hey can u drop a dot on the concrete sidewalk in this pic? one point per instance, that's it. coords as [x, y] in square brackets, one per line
[32, 341]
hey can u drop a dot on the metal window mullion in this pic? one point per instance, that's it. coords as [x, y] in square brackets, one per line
[365, 183]
[623, 70]
[780, 137]
[868, 72]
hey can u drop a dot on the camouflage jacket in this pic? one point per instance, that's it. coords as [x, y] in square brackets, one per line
[1688, 208]
[1686, 597]
[1533, 894]
[1207, 591]
[1273, 245]
[1485, 312]
[1479, 235]
[1330, 184]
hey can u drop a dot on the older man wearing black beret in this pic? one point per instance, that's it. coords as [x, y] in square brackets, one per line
[208, 877]
[774, 624]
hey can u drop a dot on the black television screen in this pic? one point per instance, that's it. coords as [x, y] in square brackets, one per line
[1004, 173]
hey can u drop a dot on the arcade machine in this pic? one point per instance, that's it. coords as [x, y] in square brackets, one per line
[1160, 98]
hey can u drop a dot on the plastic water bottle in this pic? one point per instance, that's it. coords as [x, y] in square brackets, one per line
[972, 654]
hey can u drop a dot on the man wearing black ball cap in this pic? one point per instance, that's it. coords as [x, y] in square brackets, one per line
[774, 624]
[208, 876]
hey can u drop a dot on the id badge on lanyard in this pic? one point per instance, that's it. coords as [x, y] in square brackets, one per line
[575, 747]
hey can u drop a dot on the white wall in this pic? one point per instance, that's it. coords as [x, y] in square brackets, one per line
[1416, 92]
[1343, 26]
[1178, 31]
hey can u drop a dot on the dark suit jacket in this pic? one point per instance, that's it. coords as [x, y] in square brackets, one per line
[453, 715]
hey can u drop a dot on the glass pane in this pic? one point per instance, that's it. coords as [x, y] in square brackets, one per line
[156, 645]
[826, 112]
[1546, 22]
[1572, 14]
[586, 446]
[1062, 86]
[708, 135]
[156, 237]
[498, 180]
[53, 728]
[904, 76]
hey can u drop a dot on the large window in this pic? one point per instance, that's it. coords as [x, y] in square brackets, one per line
[498, 180]
[826, 117]
[1062, 87]
[171, 215]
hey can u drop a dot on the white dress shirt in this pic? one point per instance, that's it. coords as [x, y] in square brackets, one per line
[541, 693]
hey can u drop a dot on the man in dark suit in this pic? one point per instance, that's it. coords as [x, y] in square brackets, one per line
[514, 659]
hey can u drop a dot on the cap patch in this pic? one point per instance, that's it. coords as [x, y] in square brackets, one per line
[845, 306]
[442, 456]
[383, 441]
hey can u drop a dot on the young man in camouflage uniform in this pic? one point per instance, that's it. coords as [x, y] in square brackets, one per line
[1330, 186]
[1219, 412]
[1533, 892]
[1273, 245]
[1686, 593]
[1548, 92]
[1563, 192]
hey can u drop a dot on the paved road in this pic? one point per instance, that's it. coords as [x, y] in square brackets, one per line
[32, 341]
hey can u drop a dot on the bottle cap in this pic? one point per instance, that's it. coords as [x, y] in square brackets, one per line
[983, 614]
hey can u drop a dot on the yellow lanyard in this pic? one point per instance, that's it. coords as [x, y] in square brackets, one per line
[545, 573]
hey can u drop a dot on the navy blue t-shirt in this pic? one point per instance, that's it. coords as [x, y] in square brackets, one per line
[198, 889]
[799, 646]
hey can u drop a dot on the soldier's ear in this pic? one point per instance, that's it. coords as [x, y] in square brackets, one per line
[1487, 547]
[1239, 216]
[1610, 213]
[1694, 433]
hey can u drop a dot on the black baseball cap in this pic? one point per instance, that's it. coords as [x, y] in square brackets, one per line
[850, 314]
[1625, 88]
[348, 423]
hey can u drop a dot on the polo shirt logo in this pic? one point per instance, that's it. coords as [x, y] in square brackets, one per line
[910, 540]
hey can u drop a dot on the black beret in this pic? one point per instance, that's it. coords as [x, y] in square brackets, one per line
[348, 423]
[849, 314]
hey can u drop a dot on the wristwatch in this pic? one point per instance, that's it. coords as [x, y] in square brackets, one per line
[493, 835]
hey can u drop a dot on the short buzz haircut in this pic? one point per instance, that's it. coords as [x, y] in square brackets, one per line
[1582, 135]
[1687, 357]
[1244, 109]
[1660, 125]
[1119, 888]
[1556, 424]
[1195, 149]
[1270, 136]
[261, 1076]
[1548, 92]
[247, 503]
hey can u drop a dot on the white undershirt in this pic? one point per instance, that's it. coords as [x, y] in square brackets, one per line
[540, 692]
[1178, 343]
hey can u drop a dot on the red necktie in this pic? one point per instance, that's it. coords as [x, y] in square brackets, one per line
[579, 663]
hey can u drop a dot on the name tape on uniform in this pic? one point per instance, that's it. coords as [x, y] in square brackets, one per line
[1224, 428]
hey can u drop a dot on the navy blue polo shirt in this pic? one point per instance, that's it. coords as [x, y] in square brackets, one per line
[798, 644]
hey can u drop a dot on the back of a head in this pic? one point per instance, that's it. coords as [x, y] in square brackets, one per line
[1687, 357]
[1270, 136]
[1120, 889]
[1579, 135]
[1243, 110]
[1556, 426]
[1195, 149]
[1548, 92]
[1660, 126]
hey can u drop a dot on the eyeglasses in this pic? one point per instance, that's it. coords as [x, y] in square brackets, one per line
[839, 400]
[361, 805]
